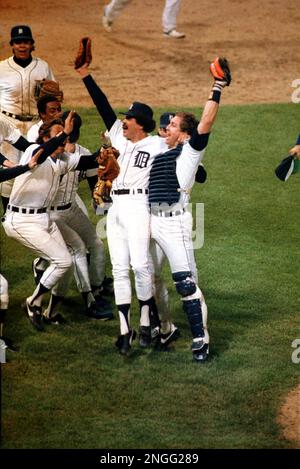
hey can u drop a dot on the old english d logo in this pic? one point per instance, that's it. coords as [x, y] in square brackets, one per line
[141, 159]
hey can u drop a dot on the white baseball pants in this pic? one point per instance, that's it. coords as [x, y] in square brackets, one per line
[128, 235]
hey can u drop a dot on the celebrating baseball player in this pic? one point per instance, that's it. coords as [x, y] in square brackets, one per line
[171, 179]
[20, 75]
[27, 217]
[128, 219]
[7, 173]
[80, 235]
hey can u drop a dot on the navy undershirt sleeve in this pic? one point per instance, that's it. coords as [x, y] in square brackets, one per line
[11, 173]
[199, 141]
[101, 102]
[88, 162]
[50, 146]
[21, 144]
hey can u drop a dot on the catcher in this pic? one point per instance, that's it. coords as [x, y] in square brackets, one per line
[108, 170]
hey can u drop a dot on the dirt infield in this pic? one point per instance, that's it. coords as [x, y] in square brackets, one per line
[135, 61]
[289, 416]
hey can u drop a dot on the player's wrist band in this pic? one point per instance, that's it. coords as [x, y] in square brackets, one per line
[215, 95]
[298, 140]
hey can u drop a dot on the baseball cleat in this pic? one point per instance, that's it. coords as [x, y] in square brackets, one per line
[56, 319]
[175, 34]
[102, 304]
[95, 312]
[106, 23]
[123, 342]
[200, 351]
[34, 314]
[107, 287]
[174, 334]
[145, 336]
[38, 273]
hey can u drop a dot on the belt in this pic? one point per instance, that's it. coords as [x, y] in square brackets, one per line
[24, 118]
[61, 207]
[26, 210]
[162, 213]
[129, 191]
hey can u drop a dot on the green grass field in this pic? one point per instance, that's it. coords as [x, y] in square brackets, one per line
[69, 388]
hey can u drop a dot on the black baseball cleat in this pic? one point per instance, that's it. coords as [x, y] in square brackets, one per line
[37, 273]
[107, 287]
[166, 339]
[200, 351]
[145, 336]
[57, 319]
[123, 342]
[34, 314]
[96, 312]
[102, 303]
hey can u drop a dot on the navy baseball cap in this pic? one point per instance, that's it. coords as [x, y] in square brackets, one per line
[21, 32]
[138, 109]
[165, 119]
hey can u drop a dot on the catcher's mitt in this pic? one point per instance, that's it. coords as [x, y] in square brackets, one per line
[220, 70]
[48, 87]
[108, 170]
[84, 54]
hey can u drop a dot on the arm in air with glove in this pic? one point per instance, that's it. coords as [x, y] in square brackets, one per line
[82, 62]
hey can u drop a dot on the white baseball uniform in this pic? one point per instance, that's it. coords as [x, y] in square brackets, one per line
[171, 226]
[78, 231]
[114, 8]
[27, 218]
[17, 102]
[128, 219]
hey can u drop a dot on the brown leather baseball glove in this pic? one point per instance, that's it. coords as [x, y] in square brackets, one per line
[84, 54]
[48, 87]
[108, 170]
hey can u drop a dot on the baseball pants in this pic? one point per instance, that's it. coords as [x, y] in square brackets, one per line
[128, 235]
[42, 236]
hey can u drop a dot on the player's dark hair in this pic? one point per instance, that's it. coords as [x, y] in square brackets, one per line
[42, 102]
[188, 122]
[147, 124]
[44, 130]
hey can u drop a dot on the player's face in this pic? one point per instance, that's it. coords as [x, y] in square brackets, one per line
[52, 110]
[174, 134]
[22, 49]
[131, 128]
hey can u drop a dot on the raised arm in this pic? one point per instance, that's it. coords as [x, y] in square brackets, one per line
[100, 100]
[222, 77]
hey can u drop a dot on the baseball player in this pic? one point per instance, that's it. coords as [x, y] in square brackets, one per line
[113, 9]
[79, 234]
[7, 173]
[168, 331]
[171, 179]
[128, 219]
[49, 107]
[27, 217]
[20, 74]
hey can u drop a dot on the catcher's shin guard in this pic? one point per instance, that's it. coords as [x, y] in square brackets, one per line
[194, 315]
